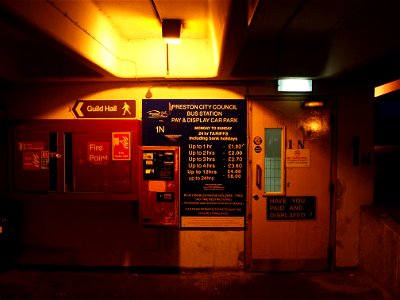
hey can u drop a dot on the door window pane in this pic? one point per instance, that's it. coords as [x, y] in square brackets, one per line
[273, 160]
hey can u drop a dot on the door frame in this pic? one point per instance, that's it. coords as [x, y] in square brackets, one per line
[248, 257]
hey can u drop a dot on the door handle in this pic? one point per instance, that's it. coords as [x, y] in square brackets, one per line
[258, 176]
[55, 155]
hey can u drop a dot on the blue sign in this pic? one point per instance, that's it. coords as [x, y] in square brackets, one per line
[212, 139]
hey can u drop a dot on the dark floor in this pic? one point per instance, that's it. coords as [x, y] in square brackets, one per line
[56, 284]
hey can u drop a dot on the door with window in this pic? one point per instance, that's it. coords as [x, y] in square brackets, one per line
[290, 162]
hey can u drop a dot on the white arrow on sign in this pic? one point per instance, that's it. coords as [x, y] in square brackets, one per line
[78, 109]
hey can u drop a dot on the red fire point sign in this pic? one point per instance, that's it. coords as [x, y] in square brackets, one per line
[121, 146]
[98, 153]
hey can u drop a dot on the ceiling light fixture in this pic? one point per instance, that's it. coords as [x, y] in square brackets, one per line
[294, 85]
[171, 30]
[312, 104]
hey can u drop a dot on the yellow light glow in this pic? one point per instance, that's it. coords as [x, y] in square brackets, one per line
[106, 53]
[313, 104]
[149, 56]
[172, 41]
[125, 39]
[192, 58]
[216, 46]
[387, 88]
[314, 126]
[218, 13]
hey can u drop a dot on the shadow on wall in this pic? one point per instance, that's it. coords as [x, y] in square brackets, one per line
[9, 232]
[92, 233]
[387, 151]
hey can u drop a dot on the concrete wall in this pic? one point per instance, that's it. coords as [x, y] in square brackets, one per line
[380, 246]
[137, 246]
[354, 186]
[108, 233]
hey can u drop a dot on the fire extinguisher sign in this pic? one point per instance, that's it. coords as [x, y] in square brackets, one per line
[121, 146]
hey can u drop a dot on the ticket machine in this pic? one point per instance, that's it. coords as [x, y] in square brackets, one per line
[159, 185]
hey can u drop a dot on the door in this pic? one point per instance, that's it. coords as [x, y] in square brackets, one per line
[290, 163]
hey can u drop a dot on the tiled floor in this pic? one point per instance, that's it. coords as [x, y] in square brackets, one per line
[98, 285]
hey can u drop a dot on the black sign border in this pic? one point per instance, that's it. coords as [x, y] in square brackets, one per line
[157, 112]
[311, 202]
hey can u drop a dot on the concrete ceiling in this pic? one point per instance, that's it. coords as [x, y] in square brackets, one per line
[95, 40]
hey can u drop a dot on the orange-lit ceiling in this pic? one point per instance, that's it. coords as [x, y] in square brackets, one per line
[124, 37]
[44, 40]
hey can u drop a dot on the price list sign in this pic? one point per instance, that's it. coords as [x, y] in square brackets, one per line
[212, 139]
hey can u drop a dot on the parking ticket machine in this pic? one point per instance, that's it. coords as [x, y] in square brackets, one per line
[159, 185]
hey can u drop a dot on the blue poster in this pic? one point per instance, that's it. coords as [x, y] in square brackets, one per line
[211, 135]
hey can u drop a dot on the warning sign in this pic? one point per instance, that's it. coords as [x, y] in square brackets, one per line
[31, 160]
[291, 208]
[45, 159]
[121, 146]
[297, 158]
[34, 145]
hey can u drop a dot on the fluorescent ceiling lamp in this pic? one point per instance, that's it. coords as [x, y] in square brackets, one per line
[294, 85]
